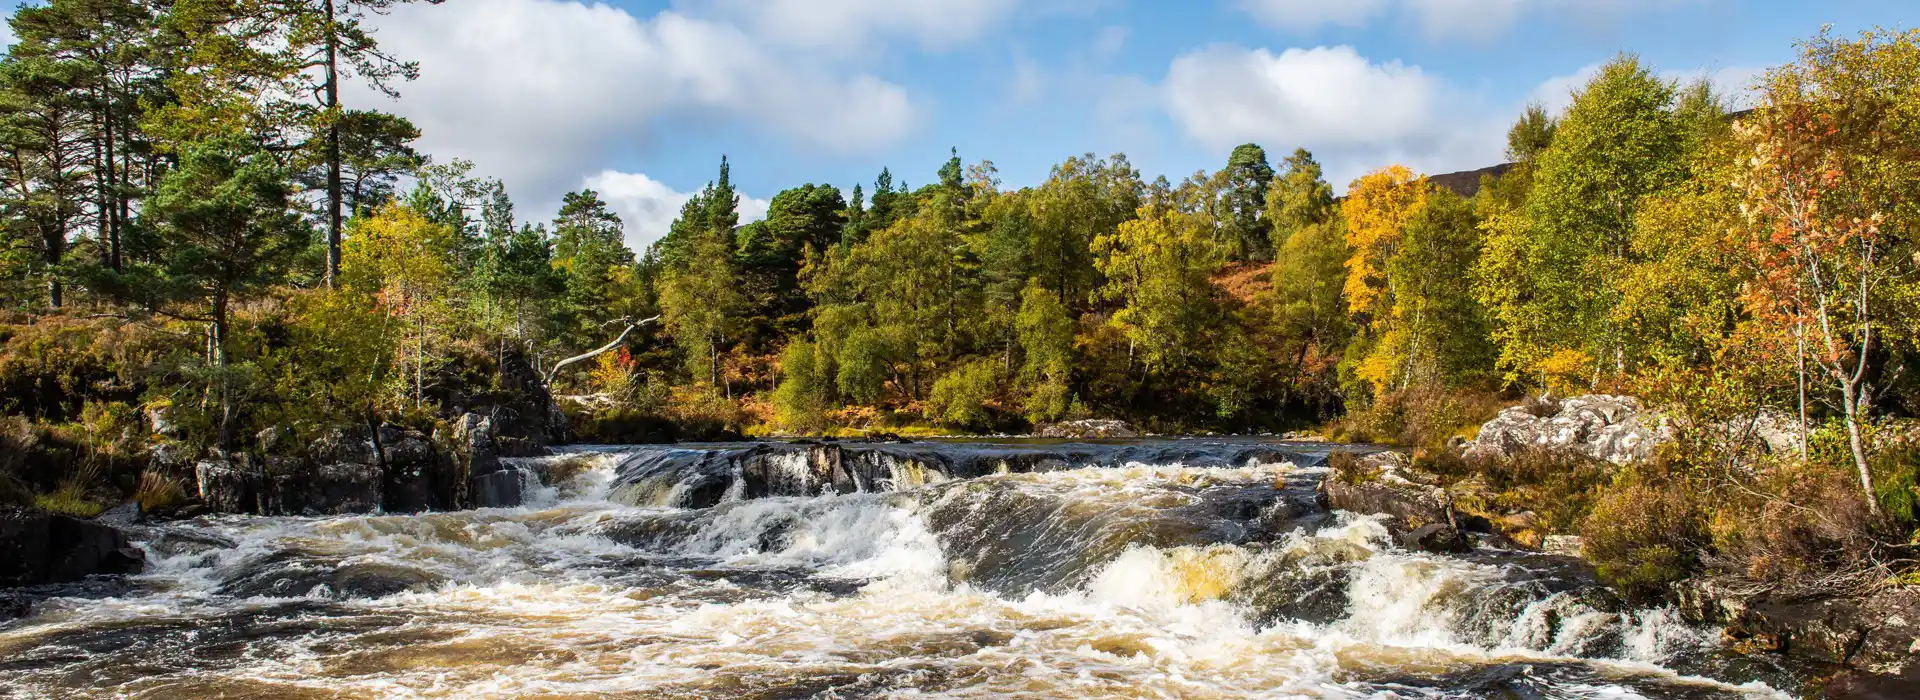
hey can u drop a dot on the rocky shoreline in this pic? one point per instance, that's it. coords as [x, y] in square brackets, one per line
[1865, 644]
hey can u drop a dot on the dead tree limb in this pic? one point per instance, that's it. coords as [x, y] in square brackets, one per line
[590, 354]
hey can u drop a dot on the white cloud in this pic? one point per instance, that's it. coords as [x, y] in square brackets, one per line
[538, 92]
[1733, 83]
[847, 24]
[648, 207]
[1307, 15]
[1225, 95]
[1478, 20]
[1353, 113]
[6, 36]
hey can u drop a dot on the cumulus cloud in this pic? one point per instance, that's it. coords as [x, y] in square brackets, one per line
[1734, 84]
[1353, 113]
[648, 207]
[538, 92]
[935, 24]
[1225, 94]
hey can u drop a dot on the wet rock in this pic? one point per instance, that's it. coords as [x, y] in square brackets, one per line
[501, 489]
[1092, 428]
[1381, 484]
[37, 547]
[1861, 685]
[288, 573]
[1439, 538]
[228, 484]
[1613, 429]
[122, 515]
[409, 473]
[338, 474]
[475, 452]
[1876, 633]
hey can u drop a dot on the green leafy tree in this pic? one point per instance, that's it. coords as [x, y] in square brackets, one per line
[1298, 198]
[45, 134]
[1046, 339]
[1619, 142]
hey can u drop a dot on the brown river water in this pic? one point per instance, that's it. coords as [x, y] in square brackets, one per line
[1137, 570]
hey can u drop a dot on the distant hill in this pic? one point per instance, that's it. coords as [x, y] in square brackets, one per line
[1466, 183]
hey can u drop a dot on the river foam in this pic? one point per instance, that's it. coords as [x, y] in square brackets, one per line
[1127, 581]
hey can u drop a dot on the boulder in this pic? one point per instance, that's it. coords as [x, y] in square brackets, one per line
[1380, 484]
[1613, 429]
[37, 547]
[228, 484]
[1767, 431]
[1440, 538]
[411, 473]
[475, 462]
[1092, 428]
[1861, 685]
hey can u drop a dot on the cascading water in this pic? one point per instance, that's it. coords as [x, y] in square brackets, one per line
[1176, 569]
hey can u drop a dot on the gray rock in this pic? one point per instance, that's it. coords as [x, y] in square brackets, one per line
[122, 515]
[1768, 431]
[1095, 428]
[1439, 538]
[228, 484]
[160, 420]
[1613, 429]
[1564, 545]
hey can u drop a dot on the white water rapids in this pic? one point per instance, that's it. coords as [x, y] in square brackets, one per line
[1123, 582]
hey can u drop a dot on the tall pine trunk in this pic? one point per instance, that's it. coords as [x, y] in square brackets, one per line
[333, 148]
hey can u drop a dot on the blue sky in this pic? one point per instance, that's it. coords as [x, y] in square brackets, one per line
[639, 99]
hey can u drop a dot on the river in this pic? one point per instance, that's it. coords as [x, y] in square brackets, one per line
[1135, 569]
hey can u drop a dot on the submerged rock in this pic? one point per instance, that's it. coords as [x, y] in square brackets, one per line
[37, 547]
[1614, 429]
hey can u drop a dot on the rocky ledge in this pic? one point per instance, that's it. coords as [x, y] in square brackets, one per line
[1419, 511]
[37, 547]
[1088, 429]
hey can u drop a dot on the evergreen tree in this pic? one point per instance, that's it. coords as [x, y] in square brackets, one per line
[1243, 202]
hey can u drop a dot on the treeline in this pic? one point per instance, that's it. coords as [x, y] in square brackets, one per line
[185, 175]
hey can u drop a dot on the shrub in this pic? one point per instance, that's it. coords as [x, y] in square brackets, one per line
[960, 397]
[802, 400]
[1643, 537]
[1799, 528]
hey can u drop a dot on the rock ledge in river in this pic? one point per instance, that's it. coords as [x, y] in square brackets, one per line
[38, 547]
[1097, 428]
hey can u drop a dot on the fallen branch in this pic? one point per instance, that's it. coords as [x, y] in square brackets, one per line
[590, 354]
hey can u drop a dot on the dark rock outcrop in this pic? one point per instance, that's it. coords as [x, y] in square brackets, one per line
[37, 547]
[1871, 637]
[1439, 538]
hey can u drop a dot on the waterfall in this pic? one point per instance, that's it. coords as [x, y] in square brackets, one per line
[1149, 569]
